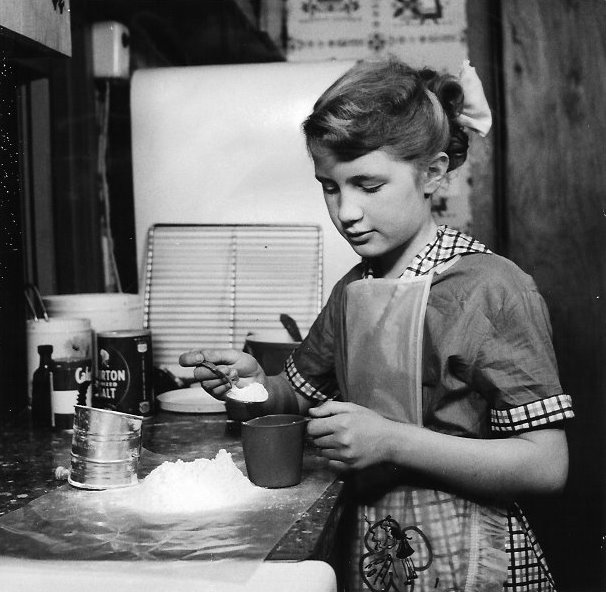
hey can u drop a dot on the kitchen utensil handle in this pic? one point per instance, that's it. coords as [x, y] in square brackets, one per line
[33, 288]
[291, 326]
[217, 372]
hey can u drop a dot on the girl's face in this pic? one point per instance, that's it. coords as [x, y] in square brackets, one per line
[378, 204]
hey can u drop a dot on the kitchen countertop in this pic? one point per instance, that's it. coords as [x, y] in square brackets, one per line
[29, 456]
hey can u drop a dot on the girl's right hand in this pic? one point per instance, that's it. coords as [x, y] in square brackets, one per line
[240, 367]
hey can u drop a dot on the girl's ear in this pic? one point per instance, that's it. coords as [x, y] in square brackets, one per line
[435, 172]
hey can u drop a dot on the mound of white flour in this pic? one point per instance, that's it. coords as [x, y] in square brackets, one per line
[196, 486]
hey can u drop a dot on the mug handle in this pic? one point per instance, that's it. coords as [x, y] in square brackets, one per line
[247, 349]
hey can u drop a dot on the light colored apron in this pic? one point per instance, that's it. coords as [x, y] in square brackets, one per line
[409, 537]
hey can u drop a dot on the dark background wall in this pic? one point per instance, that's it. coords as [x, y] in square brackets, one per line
[12, 314]
[554, 65]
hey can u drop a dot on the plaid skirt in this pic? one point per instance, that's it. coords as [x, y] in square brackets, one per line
[528, 570]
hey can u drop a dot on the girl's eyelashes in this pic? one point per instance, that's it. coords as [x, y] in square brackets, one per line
[371, 188]
[333, 189]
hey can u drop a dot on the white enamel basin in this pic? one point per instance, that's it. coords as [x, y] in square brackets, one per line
[20, 575]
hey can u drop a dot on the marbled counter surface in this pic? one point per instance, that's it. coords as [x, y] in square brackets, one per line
[29, 456]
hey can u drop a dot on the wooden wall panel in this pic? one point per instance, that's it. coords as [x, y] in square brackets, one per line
[483, 34]
[554, 60]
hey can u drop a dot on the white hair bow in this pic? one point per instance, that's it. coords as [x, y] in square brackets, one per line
[475, 114]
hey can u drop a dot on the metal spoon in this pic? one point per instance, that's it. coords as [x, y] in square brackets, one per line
[217, 372]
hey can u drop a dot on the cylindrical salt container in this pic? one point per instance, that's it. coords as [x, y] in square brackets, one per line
[125, 372]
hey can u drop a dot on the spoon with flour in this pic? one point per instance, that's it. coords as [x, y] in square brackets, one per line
[252, 393]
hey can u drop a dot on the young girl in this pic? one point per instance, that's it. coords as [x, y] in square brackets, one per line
[429, 375]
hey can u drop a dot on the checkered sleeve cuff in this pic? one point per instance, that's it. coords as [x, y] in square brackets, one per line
[302, 386]
[532, 415]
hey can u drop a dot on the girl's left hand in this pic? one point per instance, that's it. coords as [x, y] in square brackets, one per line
[349, 435]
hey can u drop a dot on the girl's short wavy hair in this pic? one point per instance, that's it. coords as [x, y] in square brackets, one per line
[388, 105]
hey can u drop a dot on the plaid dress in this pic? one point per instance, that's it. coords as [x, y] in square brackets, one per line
[483, 314]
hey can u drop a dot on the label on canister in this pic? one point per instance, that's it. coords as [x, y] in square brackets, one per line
[71, 385]
[124, 372]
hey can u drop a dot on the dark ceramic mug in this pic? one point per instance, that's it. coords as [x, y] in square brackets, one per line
[273, 449]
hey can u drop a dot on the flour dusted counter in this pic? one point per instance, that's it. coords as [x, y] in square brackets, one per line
[300, 554]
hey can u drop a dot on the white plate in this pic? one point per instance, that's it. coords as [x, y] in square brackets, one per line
[190, 400]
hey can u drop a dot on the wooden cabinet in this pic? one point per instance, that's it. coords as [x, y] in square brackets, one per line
[43, 24]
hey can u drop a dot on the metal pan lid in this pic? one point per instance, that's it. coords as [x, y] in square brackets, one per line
[125, 333]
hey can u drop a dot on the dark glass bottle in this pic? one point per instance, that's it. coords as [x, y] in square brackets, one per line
[42, 414]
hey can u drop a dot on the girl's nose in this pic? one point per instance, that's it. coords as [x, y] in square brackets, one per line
[349, 208]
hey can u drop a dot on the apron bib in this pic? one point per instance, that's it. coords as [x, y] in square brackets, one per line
[408, 537]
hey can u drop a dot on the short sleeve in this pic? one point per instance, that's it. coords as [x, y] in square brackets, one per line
[515, 366]
[311, 368]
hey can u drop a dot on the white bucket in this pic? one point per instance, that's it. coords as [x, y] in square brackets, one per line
[112, 311]
[106, 311]
[70, 338]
